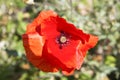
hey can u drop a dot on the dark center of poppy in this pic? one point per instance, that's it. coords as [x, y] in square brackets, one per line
[62, 40]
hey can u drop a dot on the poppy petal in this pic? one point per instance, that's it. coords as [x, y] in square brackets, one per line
[83, 48]
[52, 62]
[72, 30]
[68, 73]
[45, 15]
[90, 44]
[33, 43]
[66, 55]
[49, 28]
[38, 20]
[45, 65]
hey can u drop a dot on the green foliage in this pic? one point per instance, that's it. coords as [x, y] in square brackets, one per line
[98, 17]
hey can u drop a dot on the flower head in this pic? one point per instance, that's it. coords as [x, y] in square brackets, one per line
[52, 44]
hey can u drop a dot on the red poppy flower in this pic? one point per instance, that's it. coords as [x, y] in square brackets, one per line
[52, 44]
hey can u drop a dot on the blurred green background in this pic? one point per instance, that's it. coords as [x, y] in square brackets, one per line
[98, 17]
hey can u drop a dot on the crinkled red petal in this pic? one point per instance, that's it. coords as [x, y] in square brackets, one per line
[36, 24]
[33, 44]
[72, 30]
[90, 44]
[55, 61]
[83, 48]
[49, 28]
[68, 73]
[66, 55]
[49, 63]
